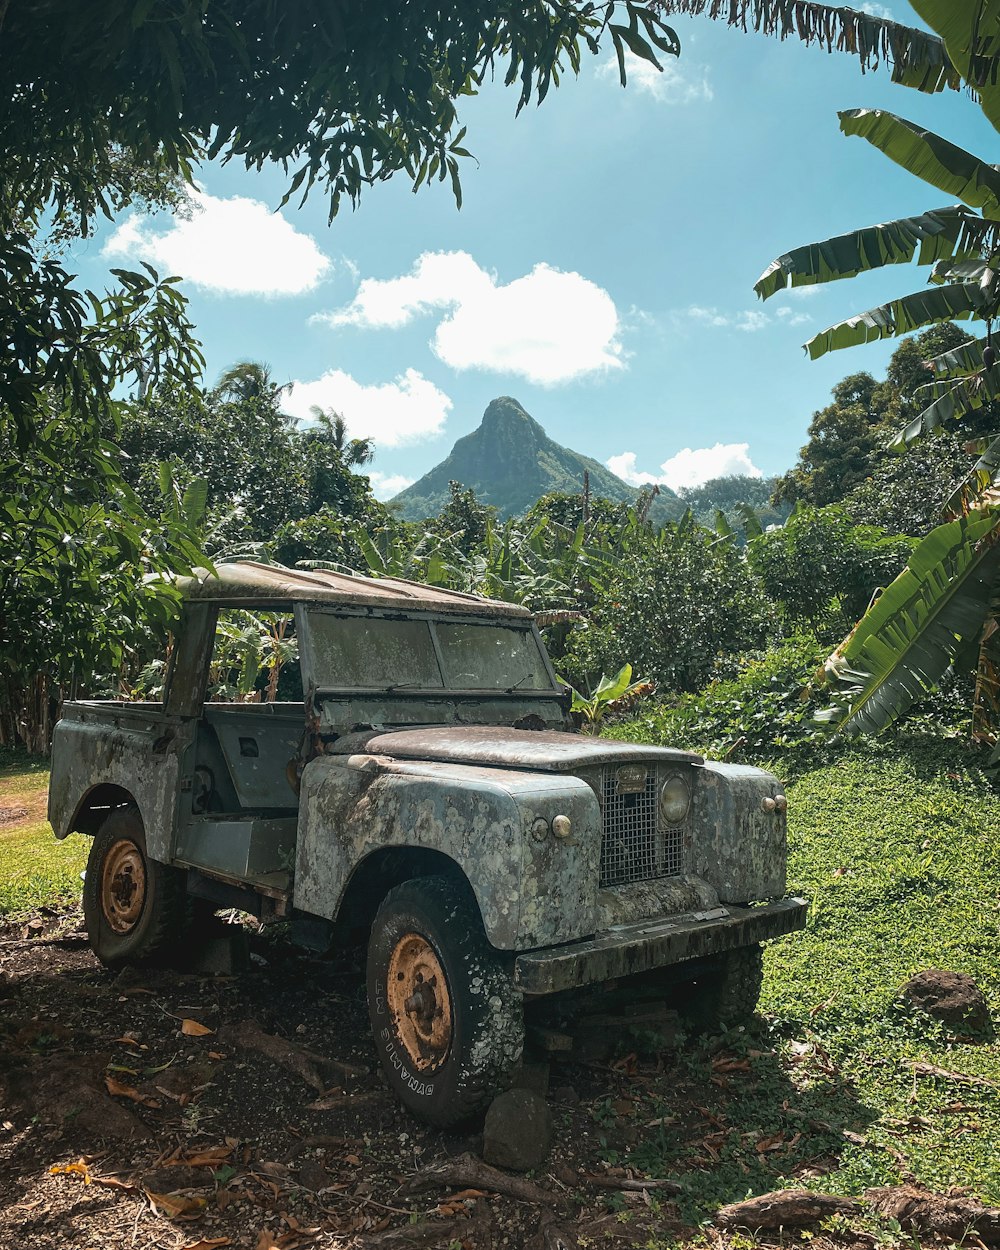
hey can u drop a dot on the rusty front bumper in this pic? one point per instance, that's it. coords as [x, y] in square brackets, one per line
[632, 948]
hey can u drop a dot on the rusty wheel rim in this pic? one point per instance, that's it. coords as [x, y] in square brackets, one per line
[417, 991]
[123, 885]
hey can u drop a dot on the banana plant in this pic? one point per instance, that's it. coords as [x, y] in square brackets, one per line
[610, 693]
[939, 612]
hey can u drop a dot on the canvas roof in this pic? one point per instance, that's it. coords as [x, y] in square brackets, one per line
[249, 584]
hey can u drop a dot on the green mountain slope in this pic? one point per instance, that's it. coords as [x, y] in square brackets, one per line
[510, 461]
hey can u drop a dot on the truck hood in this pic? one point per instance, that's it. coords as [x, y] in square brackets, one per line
[547, 751]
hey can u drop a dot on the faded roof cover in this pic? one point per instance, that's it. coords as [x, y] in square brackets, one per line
[248, 582]
[550, 750]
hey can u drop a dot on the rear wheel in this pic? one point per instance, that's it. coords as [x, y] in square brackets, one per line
[447, 1021]
[134, 907]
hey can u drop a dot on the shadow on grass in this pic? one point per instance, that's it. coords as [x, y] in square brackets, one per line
[740, 1114]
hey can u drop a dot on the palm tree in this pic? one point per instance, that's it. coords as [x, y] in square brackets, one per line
[251, 380]
[333, 429]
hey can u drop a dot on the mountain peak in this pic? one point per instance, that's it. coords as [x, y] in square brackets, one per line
[510, 462]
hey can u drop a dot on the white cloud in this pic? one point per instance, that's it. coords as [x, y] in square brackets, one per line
[233, 246]
[749, 320]
[689, 467]
[674, 84]
[793, 318]
[877, 10]
[406, 410]
[386, 485]
[549, 326]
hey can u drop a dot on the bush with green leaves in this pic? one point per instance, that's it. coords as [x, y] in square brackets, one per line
[766, 708]
[822, 569]
[671, 606]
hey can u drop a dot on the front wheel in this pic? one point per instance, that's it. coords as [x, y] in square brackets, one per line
[133, 907]
[727, 993]
[447, 1020]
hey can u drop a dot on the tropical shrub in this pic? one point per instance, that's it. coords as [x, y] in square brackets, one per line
[671, 606]
[821, 569]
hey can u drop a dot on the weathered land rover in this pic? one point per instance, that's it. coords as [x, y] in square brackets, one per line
[427, 794]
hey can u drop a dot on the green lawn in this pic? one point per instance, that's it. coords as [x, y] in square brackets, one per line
[897, 848]
[35, 869]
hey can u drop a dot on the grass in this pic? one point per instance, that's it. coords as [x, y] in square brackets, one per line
[894, 845]
[35, 869]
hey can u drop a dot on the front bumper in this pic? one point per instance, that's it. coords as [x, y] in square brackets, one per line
[656, 943]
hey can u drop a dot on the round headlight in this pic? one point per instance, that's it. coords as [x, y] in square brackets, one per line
[675, 799]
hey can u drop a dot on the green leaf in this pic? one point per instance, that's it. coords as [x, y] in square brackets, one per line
[954, 398]
[609, 688]
[939, 235]
[928, 156]
[981, 478]
[902, 646]
[900, 316]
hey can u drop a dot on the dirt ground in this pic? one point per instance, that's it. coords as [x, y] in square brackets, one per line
[158, 1109]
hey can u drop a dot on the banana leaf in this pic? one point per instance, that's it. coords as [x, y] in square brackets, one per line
[941, 234]
[971, 33]
[981, 478]
[900, 316]
[918, 59]
[904, 643]
[960, 361]
[952, 399]
[921, 152]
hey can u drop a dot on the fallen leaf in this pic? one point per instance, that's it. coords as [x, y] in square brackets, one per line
[216, 1054]
[208, 1245]
[79, 1167]
[176, 1206]
[126, 1091]
[191, 1028]
[125, 1040]
[211, 1158]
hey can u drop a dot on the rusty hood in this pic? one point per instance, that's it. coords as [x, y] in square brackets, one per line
[549, 751]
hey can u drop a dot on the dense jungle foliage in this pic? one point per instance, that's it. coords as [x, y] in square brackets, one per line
[724, 614]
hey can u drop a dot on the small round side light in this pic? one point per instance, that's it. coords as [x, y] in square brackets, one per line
[562, 826]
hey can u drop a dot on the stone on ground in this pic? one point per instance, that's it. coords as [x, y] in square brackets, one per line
[951, 997]
[518, 1131]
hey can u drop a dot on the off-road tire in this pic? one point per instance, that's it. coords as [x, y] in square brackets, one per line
[726, 994]
[485, 1009]
[162, 911]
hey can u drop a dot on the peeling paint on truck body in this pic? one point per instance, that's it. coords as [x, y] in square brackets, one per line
[433, 734]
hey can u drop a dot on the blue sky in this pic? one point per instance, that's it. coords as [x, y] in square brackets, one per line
[600, 269]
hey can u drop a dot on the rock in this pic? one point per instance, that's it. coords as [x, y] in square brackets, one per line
[518, 1131]
[566, 1094]
[313, 1175]
[951, 997]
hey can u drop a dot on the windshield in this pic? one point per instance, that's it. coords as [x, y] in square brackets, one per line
[491, 657]
[351, 652]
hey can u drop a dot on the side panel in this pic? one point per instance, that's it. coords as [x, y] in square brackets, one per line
[137, 749]
[530, 893]
[738, 846]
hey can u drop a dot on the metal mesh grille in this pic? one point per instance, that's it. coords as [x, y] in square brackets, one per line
[634, 847]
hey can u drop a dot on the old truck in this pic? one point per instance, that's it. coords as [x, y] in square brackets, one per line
[424, 793]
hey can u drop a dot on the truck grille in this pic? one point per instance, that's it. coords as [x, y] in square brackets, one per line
[634, 846]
